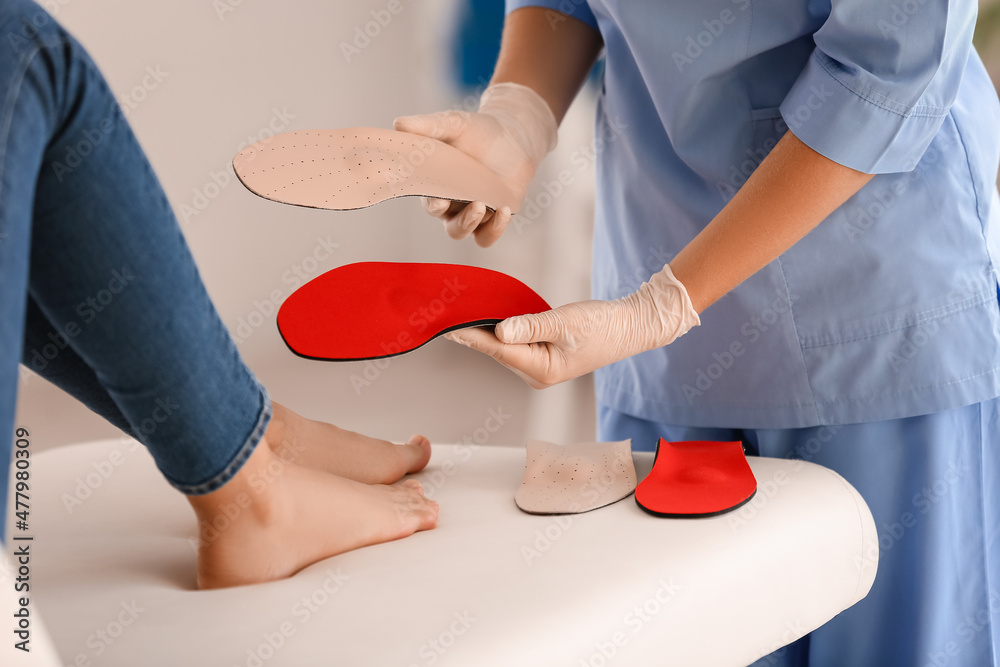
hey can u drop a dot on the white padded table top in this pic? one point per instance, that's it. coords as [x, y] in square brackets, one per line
[113, 579]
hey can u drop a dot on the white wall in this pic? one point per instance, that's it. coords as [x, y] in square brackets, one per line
[223, 78]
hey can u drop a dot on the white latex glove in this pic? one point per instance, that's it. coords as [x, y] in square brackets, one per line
[511, 133]
[575, 339]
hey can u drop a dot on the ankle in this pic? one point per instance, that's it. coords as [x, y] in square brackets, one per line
[285, 434]
[251, 497]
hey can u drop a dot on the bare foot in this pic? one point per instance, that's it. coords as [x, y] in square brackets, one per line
[323, 446]
[275, 518]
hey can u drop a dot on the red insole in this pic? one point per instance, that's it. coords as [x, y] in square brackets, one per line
[696, 479]
[371, 310]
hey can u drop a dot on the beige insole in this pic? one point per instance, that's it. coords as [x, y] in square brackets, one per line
[362, 166]
[575, 478]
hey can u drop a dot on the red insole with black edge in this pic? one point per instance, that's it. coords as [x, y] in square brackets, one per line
[372, 310]
[696, 479]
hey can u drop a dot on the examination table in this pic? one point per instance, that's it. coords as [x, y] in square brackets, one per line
[112, 575]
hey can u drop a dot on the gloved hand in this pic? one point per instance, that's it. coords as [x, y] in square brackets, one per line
[575, 339]
[512, 132]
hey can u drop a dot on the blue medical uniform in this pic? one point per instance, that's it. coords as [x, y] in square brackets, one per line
[882, 324]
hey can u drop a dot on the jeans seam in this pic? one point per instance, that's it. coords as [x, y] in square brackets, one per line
[9, 103]
[239, 459]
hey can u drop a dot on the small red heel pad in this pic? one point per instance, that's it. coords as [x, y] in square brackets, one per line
[696, 479]
[372, 310]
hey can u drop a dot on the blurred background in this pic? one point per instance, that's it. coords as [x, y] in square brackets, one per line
[200, 79]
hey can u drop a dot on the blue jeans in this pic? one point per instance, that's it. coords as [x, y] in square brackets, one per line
[98, 291]
[933, 486]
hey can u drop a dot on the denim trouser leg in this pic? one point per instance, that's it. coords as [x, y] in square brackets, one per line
[90, 249]
[63, 367]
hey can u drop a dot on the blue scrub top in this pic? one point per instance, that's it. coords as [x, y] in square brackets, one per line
[888, 309]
